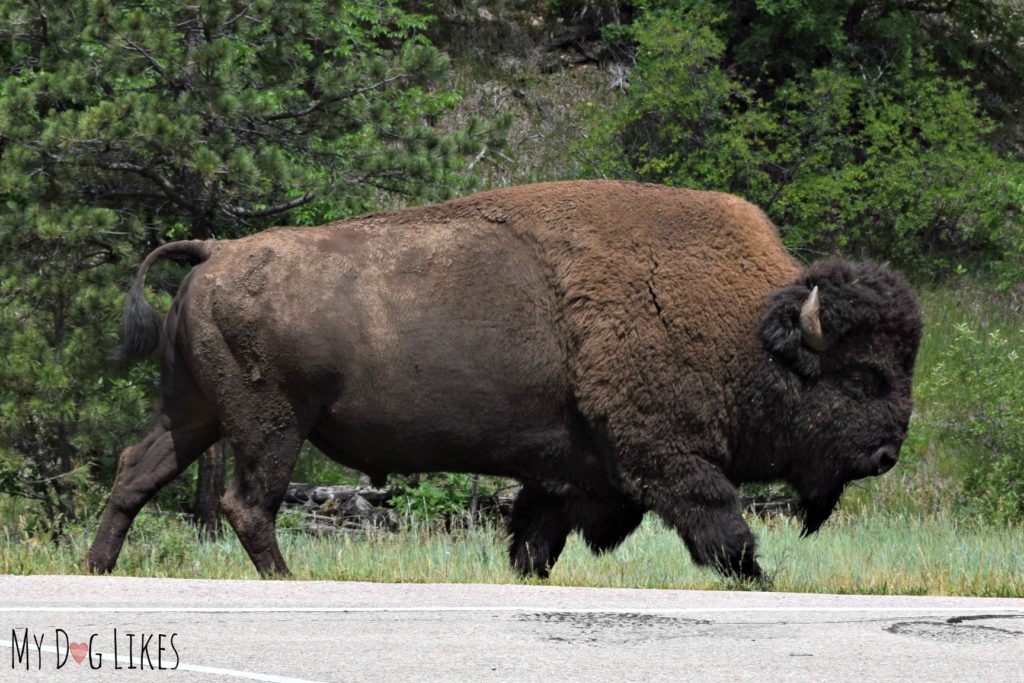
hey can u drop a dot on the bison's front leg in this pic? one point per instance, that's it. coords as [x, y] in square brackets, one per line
[539, 528]
[541, 521]
[604, 523]
[719, 537]
[703, 507]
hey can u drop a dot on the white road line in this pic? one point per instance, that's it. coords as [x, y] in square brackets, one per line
[252, 676]
[505, 608]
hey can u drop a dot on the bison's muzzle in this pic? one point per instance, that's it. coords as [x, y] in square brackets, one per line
[884, 459]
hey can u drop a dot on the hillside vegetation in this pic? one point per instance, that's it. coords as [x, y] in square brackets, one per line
[866, 128]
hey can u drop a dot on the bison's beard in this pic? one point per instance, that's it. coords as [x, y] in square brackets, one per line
[817, 508]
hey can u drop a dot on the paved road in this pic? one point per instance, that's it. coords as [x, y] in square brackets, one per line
[326, 631]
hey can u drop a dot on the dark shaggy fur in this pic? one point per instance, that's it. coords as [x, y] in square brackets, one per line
[859, 388]
[616, 347]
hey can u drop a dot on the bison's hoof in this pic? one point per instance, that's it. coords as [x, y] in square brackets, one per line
[97, 566]
[751, 574]
[743, 567]
[759, 578]
[530, 560]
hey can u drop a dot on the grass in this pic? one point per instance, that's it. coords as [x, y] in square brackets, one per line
[873, 554]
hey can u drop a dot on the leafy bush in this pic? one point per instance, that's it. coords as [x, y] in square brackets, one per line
[985, 372]
[852, 143]
[443, 497]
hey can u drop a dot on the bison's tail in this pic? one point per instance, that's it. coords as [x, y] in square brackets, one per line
[140, 322]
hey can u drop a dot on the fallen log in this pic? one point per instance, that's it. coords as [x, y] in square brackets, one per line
[302, 494]
[356, 507]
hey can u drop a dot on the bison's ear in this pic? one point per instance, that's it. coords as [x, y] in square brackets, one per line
[831, 300]
[791, 328]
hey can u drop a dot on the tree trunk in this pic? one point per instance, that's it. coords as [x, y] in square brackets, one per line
[209, 489]
[474, 502]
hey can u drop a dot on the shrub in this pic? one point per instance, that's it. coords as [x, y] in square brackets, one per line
[443, 497]
[981, 376]
[865, 148]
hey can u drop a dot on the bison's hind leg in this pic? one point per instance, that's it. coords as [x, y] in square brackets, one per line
[263, 468]
[265, 431]
[143, 469]
[539, 527]
[186, 426]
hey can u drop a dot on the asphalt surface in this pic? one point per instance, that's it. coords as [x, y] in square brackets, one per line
[293, 632]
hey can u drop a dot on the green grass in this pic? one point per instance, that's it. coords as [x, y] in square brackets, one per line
[880, 553]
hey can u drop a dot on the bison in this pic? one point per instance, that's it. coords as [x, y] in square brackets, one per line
[615, 347]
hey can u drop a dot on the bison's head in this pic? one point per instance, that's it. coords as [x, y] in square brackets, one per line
[842, 341]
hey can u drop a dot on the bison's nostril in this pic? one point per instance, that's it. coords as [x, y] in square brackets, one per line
[885, 459]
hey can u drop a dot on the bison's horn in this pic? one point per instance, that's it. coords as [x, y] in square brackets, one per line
[810, 325]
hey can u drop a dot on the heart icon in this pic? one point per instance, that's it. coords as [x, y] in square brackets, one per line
[79, 651]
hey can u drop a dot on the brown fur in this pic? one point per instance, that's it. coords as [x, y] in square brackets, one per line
[600, 341]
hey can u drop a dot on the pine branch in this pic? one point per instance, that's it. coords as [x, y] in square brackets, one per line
[132, 46]
[928, 7]
[331, 100]
[154, 175]
[240, 212]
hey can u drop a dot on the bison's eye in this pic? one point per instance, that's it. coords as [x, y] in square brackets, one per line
[864, 382]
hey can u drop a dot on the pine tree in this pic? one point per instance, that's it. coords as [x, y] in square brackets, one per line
[123, 125]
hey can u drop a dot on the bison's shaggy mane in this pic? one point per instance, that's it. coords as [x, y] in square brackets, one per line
[856, 297]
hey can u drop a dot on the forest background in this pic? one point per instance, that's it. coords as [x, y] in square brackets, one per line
[884, 129]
